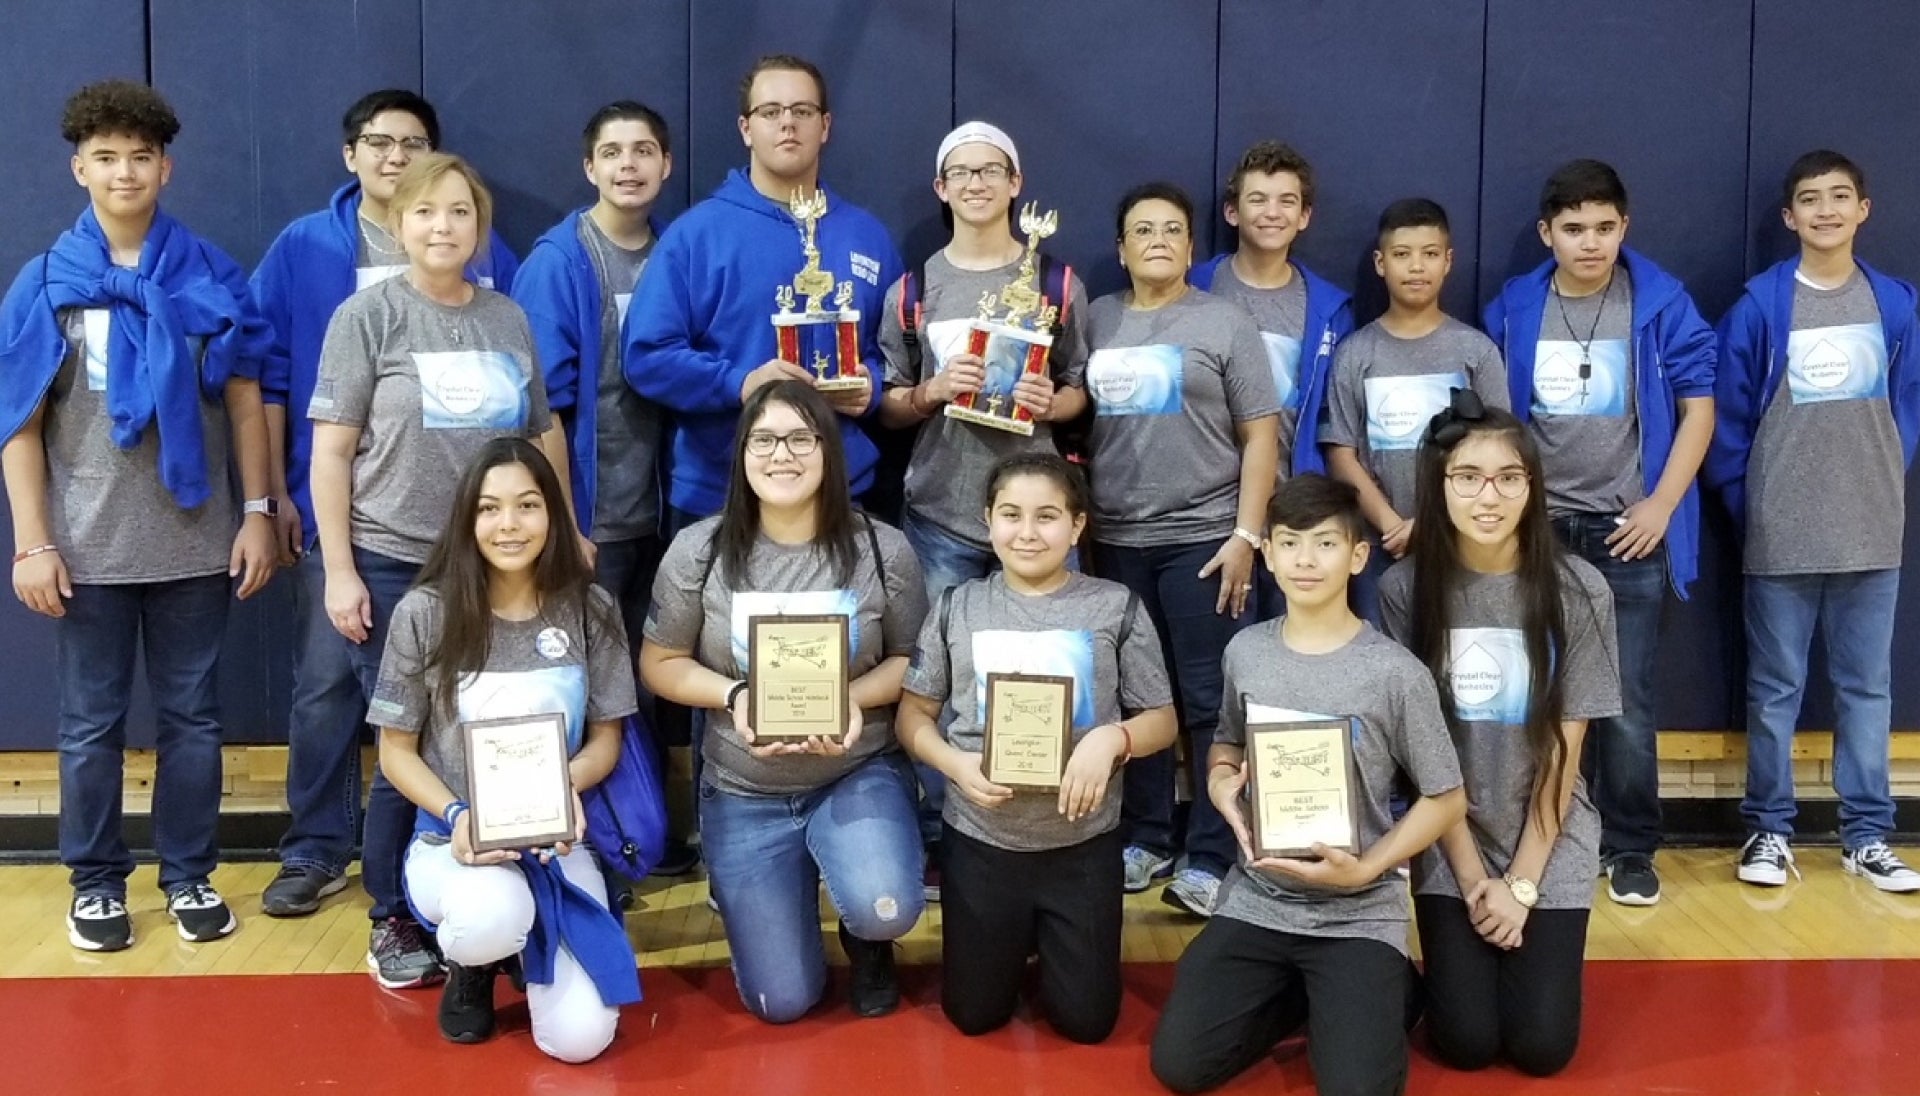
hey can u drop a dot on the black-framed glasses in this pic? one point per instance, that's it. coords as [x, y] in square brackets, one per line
[961, 174]
[1468, 485]
[800, 443]
[801, 111]
[382, 143]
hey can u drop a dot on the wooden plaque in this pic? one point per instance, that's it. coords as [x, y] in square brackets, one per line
[1301, 787]
[519, 793]
[797, 677]
[1029, 731]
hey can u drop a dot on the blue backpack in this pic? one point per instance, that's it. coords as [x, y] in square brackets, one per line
[627, 812]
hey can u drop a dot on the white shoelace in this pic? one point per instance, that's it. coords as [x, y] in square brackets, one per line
[193, 896]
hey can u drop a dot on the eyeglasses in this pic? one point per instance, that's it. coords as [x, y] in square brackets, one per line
[960, 174]
[802, 112]
[800, 443]
[1172, 230]
[382, 143]
[1468, 485]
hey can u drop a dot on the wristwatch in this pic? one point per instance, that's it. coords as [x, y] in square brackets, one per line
[269, 506]
[1524, 892]
[1249, 536]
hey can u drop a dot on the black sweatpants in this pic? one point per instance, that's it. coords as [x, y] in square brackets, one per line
[997, 907]
[1485, 1002]
[1240, 989]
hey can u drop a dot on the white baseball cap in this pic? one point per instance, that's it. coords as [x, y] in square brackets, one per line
[970, 133]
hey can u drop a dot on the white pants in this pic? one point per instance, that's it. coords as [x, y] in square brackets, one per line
[483, 915]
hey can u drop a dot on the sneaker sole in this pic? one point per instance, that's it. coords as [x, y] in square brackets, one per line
[1884, 887]
[1621, 899]
[431, 978]
[1159, 876]
[226, 930]
[302, 909]
[1181, 901]
[1761, 878]
[84, 944]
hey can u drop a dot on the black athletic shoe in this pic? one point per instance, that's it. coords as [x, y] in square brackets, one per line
[678, 859]
[875, 991]
[297, 891]
[99, 922]
[1631, 880]
[466, 1003]
[200, 914]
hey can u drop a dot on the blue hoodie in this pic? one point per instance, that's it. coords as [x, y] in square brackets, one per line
[304, 277]
[1673, 360]
[1329, 319]
[560, 291]
[1753, 358]
[701, 320]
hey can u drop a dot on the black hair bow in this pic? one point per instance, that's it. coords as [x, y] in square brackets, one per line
[1464, 411]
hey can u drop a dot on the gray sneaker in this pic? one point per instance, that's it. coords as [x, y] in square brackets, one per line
[1192, 890]
[1143, 866]
[399, 956]
[297, 891]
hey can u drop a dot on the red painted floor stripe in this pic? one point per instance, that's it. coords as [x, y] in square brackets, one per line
[1754, 1028]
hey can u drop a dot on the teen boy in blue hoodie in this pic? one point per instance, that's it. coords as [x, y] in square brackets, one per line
[316, 263]
[1612, 367]
[1819, 410]
[129, 393]
[699, 336]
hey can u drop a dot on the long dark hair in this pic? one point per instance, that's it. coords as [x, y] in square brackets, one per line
[1438, 573]
[834, 526]
[457, 573]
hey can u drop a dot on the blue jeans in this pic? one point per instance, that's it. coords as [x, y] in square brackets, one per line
[390, 815]
[323, 733]
[1855, 615]
[179, 626]
[766, 856]
[946, 561]
[1625, 775]
[1192, 639]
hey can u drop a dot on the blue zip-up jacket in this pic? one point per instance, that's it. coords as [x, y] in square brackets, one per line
[560, 291]
[1753, 358]
[1673, 360]
[303, 278]
[701, 320]
[1329, 319]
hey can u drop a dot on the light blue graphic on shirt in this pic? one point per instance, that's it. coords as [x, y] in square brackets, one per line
[1398, 408]
[1268, 713]
[1846, 362]
[471, 390]
[503, 694]
[1559, 389]
[1489, 675]
[374, 275]
[753, 603]
[1283, 356]
[97, 323]
[621, 302]
[1057, 653]
[946, 338]
[1137, 380]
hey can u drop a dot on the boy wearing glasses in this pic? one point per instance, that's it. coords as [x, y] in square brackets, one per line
[1818, 416]
[1612, 367]
[699, 336]
[315, 264]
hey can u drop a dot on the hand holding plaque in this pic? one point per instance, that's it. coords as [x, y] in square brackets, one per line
[1301, 789]
[1013, 334]
[518, 787]
[797, 688]
[1028, 731]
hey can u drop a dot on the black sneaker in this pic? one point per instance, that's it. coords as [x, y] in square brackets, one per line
[200, 914]
[99, 922]
[1631, 880]
[678, 859]
[1765, 860]
[298, 889]
[466, 1004]
[1877, 864]
[875, 992]
[399, 956]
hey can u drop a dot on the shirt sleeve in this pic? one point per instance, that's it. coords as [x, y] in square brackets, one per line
[539, 414]
[401, 700]
[1231, 726]
[1246, 372]
[343, 390]
[1590, 683]
[1422, 745]
[610, 689]
[1488, 372]
[1346, 405]
[930, 674]
[906, 595]
[893, 340]
[1070, 358]
[677, 615]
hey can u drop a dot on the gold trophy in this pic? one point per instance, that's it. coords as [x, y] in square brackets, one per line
[824, 340]
[1013, 334]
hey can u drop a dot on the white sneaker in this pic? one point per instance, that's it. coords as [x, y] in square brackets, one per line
[1877, 864]
[1765, 861]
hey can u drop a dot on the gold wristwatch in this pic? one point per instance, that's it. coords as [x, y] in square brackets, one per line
[1524, 892]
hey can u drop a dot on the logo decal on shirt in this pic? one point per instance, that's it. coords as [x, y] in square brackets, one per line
[865, 268]
[1844, 362]
[1283, 356]
[97, 328]
[1057, 653]
[1489, 675]
[1137, 380]
[1398, 408]
[373, 275]
[552, 643]
[1558, 388]
[471, 389]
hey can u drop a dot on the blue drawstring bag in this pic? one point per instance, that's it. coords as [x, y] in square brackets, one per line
[627, 812]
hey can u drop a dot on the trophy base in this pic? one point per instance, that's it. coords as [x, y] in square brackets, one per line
[841, 384]
[995, 422]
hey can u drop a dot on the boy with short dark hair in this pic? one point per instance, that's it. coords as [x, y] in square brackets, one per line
[1396, 373]
[1816, 376]
[1612, 367]
[1319, 943]
[129, 391]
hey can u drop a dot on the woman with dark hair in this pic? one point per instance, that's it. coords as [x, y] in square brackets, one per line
[778, 817]
[1519, 635]
[505, 621]
[1185, 443]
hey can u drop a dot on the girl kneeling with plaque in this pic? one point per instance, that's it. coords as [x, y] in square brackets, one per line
[501, 692]
[1520, 637]
[1040, 664]
[789, 617]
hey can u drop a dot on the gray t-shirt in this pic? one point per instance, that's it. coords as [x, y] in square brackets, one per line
[1588, 428]
[566, 662]
[947, 474]
[378, 257]
[1385, 389]
[1282, 316]
[1826, 481]
[1075, 631]
[1169, 386]
[704, 610]
[428, 386]
[1390, 702]
[1490, 685]
[114, 521]
[626, 503]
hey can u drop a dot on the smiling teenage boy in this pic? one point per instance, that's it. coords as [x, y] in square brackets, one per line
[1612, 368]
